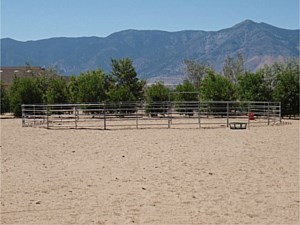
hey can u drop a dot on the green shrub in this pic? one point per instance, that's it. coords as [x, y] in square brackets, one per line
[57, 91]
[286, 91]
[23, 91]
[4, 99]
[157, 96]
[183, 95]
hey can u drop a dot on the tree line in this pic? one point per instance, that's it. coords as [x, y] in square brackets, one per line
[276, 82]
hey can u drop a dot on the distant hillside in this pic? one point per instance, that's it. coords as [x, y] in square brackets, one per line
[156, 54]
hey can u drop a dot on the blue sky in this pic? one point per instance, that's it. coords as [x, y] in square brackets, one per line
[39, 19]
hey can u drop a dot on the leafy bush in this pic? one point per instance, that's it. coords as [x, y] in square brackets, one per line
[73, 90]
[217, 88]
[91, 86]
[254, 87]
[24, 91]
[4, 99]
[286, 91]
[157, 96]
[184, 93]
[57, 91]
[121, 99]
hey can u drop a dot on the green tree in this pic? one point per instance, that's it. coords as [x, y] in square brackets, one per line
[286, 91]
[91, 87]
[185, 94]
[42, 84]
[254, 87]
[73, 90]
[233, 68]
[124, 75]
[271, 72]
[4, 99]
[121, 100]
[57, 91]
[157, 92]
[216, 87]
[157, 97]
[120, 94]
[44, 80]
[23, 91]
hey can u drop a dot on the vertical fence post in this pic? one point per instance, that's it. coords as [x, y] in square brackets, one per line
[248, 114]
[279, 112]
[75, 116]
[268, 113]
[34, 115]
[136, 116]
[104, 115]
[23, 115]
[169, 115]
[43, 114]
[227, 106]
[199, 114]
[47, 116]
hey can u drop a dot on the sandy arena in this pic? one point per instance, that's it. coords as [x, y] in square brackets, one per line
[149, 176]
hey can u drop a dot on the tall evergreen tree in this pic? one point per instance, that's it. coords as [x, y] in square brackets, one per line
[124, 75]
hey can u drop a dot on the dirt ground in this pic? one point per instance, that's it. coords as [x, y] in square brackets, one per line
[149, 176]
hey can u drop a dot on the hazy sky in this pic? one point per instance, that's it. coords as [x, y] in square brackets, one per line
[39, 19]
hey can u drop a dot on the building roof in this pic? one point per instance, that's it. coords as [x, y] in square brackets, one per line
[9, 73]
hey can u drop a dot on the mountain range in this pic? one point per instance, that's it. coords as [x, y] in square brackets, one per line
[156, 55]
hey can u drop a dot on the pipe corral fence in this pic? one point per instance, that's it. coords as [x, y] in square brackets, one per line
[168, 114]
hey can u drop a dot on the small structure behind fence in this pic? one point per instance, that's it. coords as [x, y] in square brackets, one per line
[197, 114]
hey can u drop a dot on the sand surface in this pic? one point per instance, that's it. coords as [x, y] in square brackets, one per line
[149, 176]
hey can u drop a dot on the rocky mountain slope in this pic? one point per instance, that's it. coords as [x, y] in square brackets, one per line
[156, 54]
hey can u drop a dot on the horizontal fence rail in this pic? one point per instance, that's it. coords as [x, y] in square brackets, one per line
[200, 114]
